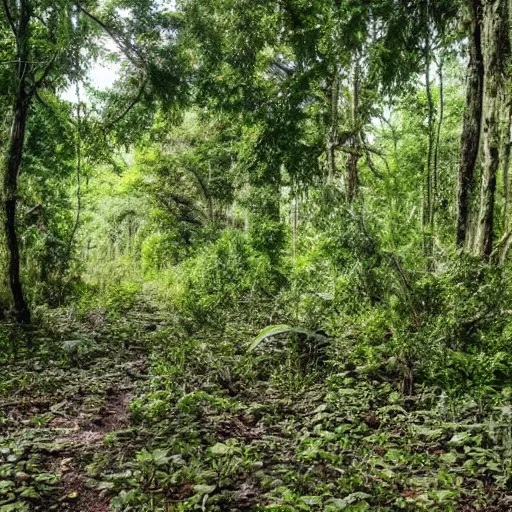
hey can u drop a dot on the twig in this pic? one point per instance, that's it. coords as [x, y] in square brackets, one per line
[33, 209]
[23, 62]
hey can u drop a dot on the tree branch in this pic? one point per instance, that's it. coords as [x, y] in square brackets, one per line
[30, 211]
[343, 137]
[125, 49]
[502, 247]
[9, 17]
[46, 71]
[21, 62]
[201, 182]
[125, 112]
[351, 150]
[371, 165]
[282, 69]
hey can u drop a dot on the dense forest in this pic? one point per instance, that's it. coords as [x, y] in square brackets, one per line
[255, 255]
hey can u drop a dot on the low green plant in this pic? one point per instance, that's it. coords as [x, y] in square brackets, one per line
[226, 278]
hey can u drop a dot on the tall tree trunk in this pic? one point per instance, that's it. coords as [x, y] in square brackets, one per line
[495, 50]
[13, 161]
[505, 165]
[353, 176]
[440, 112]
[76, 224]
[355, 155]
[428, 199]
[332, 135]
[294, 222]
[470, 140]
[10, 203]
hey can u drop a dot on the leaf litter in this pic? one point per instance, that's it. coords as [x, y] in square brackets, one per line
[173, 421]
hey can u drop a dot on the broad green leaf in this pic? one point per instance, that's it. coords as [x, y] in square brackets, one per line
[5, 485]
[271, 330]
[351, 499]
[459, 439]
[19, 506]
[312, 500]
[204, 489]
[449, 458]
[30, 493]
[220, 449]
[160, 457]
[443, 495]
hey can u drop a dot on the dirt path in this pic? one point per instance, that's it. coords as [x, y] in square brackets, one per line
[57, 414]
[85, 440]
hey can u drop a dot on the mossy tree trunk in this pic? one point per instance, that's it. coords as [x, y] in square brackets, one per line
[495, 51]
[470, 139]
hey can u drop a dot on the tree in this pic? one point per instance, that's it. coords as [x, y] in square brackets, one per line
[31, 64]
[470, 139]
[496, 53]
[20, 24]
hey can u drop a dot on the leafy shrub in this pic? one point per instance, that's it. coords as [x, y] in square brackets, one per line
[160, 250]
[451, 326]
[227, 277]
[114, 298]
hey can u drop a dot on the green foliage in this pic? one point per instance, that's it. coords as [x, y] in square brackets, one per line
[46, 225]
[257, 164]
[114, 298]
[271, 330]
[227, 276]
[160, 251]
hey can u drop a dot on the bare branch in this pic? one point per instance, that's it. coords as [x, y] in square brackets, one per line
[9, 17]
[282, 69]
[129, 107]
[371, 166]
[122, 45]
[21, 62]
[34, 209]
[46, 71]
[351, 150]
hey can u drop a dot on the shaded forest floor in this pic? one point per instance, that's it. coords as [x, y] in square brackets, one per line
[59, 406]
[147, 417]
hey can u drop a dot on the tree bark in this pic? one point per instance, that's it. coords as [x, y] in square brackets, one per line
[440, 112]
[332, 134]
[495, 50]
[354, 156]
[470, 139]
[428, 199]
[13, 161]
[505, 165]
[353, 176]
[76, 224]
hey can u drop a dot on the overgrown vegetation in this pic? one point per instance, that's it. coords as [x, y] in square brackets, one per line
[267, 268]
